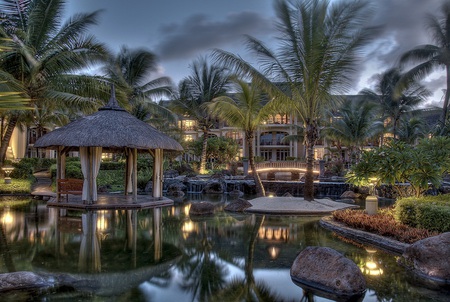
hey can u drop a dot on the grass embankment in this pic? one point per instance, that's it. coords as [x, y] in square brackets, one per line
[17, 186]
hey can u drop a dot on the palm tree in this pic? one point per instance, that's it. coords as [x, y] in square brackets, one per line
[204, 84]
[245, 111]
[130, 70]
[429, 56]
[411, 129]
[318, 47]
[396, 98]
[355, 124]
[47, 57]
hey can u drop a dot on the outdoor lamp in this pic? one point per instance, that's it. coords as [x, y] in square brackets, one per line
[7, 170]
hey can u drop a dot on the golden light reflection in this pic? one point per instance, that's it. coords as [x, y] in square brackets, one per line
[187, 228]
[102, 221]
[273, 233]
[371, 267]
[7, 217]
[186, 209]
[274, 252]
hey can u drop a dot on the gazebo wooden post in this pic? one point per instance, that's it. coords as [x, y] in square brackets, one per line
[134, 174]
[60, 169]
[157, 172]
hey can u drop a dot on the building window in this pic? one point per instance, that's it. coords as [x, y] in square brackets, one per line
[187, 125]
[188, 137]
[282, 154]
[266, 154]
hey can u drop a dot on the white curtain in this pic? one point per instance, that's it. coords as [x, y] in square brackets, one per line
[89, 257]
[91, 158]
[84, 158]
[96, 160]
[129, 174]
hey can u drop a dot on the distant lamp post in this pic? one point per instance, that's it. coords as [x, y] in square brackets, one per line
[372, 199]
[7, 170]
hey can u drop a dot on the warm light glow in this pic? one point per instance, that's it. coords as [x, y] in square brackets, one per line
[262, 232]
[102, 221]
[187, 228]
[7, 218]
[186, 209]
[277, 234]
[274, 252]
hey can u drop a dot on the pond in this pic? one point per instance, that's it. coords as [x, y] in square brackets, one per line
[163, 255]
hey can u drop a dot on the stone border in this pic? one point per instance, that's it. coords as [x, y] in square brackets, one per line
[384, 243]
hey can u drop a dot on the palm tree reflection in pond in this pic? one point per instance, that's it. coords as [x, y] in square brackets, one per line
[248, 289]
[203, 273]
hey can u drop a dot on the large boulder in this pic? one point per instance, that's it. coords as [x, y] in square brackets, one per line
[322, 269]
[430, 257]
[213, 187]
[26, 282]
[202, 208]
[239, 205]
[350, 195]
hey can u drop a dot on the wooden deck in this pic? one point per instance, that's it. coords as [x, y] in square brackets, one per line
[111, 202]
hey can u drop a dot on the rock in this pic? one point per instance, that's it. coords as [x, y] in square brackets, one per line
[287, 194]
[171, 174]
[24, 281]
[236, 194]
[149, 187]
[426, 257]
[350, 195]
[213, 187]
[238, 205]
[202, 208]
[327, 270]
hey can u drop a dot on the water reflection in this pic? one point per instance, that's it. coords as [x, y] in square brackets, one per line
[161, 254]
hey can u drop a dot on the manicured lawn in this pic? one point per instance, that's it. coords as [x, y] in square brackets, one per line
[17, 186]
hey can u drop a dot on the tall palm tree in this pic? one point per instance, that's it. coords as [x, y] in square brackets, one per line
[319, 43]
[429, 56]
[47, 57]
[411, 129]
[131, 70]
[355, 124]
[206, 82]
[395, 97]
[246, 111]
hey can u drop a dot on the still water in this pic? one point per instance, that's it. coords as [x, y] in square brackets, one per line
[164, 255]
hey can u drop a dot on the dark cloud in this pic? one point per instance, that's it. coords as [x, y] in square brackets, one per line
[199, 33]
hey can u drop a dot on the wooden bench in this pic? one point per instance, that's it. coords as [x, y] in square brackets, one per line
[71, 186]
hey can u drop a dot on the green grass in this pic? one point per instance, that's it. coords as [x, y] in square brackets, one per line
[17, 186]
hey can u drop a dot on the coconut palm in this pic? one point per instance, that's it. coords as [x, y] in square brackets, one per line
[411, 129]
[396, 98]
[47, 57]
[245, 111]
[206, 82]
[429, 56]
[355, 124]
[318, 48]
[131, 72]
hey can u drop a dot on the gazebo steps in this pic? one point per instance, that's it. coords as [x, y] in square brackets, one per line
[111, 202]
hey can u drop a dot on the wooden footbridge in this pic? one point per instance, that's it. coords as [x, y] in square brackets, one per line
[296, 168]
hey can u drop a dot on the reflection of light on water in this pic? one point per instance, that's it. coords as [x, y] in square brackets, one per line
[273, 233]
[187, 228]
[102, 221]
[274, 252]
[186, 209]
[371, 267]
[7, 218]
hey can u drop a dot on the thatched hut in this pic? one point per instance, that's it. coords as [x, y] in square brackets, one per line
[110, 129]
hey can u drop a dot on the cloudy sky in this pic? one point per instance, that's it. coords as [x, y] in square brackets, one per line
[179, 31]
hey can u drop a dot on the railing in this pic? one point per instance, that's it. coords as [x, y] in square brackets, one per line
[285, 166]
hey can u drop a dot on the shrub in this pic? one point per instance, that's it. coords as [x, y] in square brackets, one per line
[430, 212]
[73, 170]
[112, 165]
[22, 170]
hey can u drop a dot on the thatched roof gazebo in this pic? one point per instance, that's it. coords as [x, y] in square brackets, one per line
[110, 129]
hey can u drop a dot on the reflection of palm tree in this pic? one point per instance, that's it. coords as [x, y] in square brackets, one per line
[248, 289]
[5, 252]
[203, 274]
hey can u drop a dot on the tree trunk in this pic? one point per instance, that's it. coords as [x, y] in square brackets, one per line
[251, 157]
[446, 98]
[6, 138]
[312, 134]
[204, 147]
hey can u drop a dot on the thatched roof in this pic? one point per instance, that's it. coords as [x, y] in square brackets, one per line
[111, 127]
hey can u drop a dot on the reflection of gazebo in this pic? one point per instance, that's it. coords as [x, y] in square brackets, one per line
[110, 129]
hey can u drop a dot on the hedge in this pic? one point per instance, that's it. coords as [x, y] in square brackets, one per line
[430, 212]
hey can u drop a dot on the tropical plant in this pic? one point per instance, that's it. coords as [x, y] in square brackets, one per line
[130, 70]
[396, 98]
[397, 164]
[411, 129]
[47, 58]
[353, 125]
[246, 110]
[206, 82]
[318, 48]
[429, 56]
[221, 150]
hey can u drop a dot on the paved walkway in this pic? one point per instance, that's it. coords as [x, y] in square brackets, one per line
[295, 206]
[43, 185]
